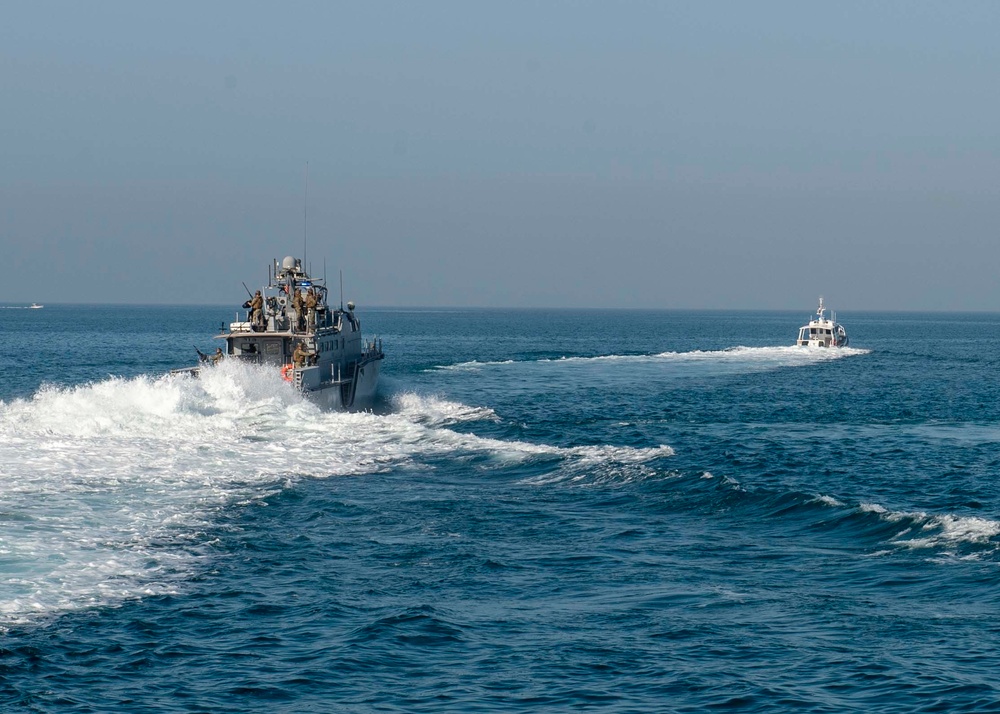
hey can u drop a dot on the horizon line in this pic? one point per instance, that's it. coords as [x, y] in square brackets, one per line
[25, 306]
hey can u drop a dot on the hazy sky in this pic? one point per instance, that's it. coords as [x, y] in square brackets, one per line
[628, 154]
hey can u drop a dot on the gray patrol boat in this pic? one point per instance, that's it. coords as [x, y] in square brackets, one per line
[290, 325]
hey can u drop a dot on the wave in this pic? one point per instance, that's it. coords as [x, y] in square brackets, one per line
[112, 488]
[946, 531]
[868, 527]
[866, 523]
[438, 410]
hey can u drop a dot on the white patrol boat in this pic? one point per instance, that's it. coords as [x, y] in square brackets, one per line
[821, 332]
[289, 325]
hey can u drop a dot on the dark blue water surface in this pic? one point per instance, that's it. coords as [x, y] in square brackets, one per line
[627, 511]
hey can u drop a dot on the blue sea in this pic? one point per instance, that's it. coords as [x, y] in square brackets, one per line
[548, 510]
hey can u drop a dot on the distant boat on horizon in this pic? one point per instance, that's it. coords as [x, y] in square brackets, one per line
[35, 306]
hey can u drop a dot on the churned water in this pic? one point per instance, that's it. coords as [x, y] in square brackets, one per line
[623, 511]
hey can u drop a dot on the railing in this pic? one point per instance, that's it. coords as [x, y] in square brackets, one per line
[372, 349]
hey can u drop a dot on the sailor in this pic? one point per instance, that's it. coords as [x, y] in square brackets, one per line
[298, 302]
[257, 309]
[299, 356]
[217, 357]
[311, 307]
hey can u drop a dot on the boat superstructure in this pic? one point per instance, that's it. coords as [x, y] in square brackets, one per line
[822, 332]
[290, 325]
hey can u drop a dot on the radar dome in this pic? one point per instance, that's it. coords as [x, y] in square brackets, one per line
[288, 263]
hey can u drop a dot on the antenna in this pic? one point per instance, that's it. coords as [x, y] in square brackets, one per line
[305, 216]
[341, 289]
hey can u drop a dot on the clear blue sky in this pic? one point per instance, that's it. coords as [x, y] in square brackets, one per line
[643, 154]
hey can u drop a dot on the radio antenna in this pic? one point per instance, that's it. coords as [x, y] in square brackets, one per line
[305, 217]
[341, 288]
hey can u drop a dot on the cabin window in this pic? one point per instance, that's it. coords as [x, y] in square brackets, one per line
[272, 348]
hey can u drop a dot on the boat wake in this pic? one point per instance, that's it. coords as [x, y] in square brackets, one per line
[432, 410]
[112, 489]
[744, 357]
[869, 528]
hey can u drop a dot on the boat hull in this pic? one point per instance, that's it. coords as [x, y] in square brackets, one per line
[360, 396]
[824, 343]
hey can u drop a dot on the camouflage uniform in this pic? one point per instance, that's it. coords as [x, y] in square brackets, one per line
[311, 307]
[257, 309]
[298, 303]
[300, 355]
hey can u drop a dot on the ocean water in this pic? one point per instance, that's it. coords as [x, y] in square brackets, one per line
[592, 510]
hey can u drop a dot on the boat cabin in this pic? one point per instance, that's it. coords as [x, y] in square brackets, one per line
[822, 332]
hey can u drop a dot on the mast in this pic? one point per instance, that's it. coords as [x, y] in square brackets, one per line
[305, 217]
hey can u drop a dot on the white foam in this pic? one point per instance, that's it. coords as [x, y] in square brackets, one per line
[600, 464]
[440, 411]
[109, 489]
[783, 354]
[826, 501]
[473, 365]
[866, 507]
[759, 357]
[940, 531]
[948, 530]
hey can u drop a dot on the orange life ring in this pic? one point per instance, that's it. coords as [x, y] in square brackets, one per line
[286, 372]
